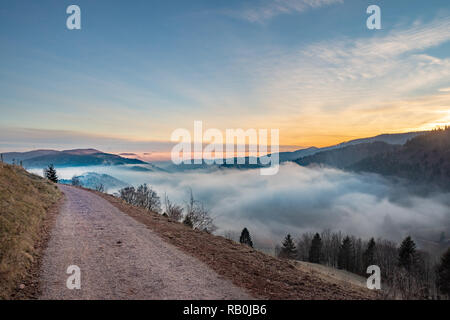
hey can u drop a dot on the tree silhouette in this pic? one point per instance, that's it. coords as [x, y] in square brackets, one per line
[288, 250]
[315, 252]
[50, 173]
[346, 255]
[245, 238]
[369, 254]
[407, 254]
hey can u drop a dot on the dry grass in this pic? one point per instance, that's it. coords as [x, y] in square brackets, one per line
[331, 274]
[262, 275]
[25, 200]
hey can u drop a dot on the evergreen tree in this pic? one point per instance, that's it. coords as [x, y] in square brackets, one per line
[346, 255]
[50, 173]
[443, 273]
[315, 252]
[288, 250]
[407, 254]
[245, 238]
[369, 254]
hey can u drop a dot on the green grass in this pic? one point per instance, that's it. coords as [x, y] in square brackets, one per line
[24, 201]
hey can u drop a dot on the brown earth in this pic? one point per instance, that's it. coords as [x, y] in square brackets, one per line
[120, 258]
[262, 275]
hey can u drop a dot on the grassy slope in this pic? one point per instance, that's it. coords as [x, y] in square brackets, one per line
[24, 202]
[262, 275]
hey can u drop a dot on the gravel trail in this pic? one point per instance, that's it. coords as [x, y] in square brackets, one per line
[120, 258]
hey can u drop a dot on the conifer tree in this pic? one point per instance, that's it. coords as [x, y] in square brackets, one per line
[315, 252]
[346, 255]
[407, 254]
[245, 238]
[288, 250]
[50, 173]
[369, 254]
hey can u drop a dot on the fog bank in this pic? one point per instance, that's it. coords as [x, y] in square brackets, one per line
[297, 200]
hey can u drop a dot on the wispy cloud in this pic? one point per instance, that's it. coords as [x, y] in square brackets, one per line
[25, 139]
[262, 10]
[332, 83]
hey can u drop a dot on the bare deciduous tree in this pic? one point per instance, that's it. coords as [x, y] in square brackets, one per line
[199, 215]
[144, 196]
[172, 210]
[100, 187]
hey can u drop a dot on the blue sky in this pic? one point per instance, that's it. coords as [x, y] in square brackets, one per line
[137, 70]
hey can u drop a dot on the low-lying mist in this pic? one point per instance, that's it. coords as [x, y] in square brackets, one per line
[298, 200]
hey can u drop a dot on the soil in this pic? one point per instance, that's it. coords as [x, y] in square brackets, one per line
[264, 276]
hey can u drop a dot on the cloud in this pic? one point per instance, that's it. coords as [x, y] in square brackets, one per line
[263, 10]
[300, 199]
[350, 68]
[333, 82]
[313, 93]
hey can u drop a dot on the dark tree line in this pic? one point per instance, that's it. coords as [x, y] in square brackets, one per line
[406, 271]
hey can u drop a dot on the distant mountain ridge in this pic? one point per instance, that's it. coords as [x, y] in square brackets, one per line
[92, 157]
[343, 158]
[67, 158]
[390, 138]
[387, 139]
[425, 158]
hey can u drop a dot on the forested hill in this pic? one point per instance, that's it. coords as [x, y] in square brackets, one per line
[345, 157]
[423, 159]
[67, 158]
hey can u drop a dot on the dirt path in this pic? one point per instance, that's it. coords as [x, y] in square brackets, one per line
[120, 258]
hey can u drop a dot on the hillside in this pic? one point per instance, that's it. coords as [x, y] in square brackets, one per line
[347, 156]
[423, 159]
[131, 237]
[390, 138]
[25, 200]
[340, 155]
[67, 158]
[262, 275]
